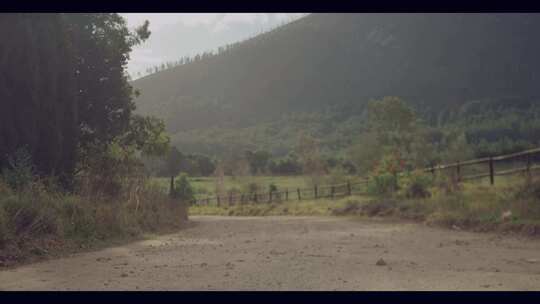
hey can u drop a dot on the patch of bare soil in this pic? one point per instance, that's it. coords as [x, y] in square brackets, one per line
[295, 253]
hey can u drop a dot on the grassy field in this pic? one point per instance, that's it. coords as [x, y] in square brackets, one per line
[476, 205]
[292, 207]
[206, 186]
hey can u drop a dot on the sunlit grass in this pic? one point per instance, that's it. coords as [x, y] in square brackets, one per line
[206, 186]
[293, 207]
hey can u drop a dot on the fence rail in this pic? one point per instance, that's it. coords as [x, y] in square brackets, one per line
[347, 189]
[316, 192]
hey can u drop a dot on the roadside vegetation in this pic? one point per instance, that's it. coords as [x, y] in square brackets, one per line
[71, 171]
[39, 219]
[397, 188]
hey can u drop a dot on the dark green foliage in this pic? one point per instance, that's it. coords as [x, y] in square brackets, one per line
[258, 93]
[257, 160]
[416, 184]
[173, 162]
[285, 166]
[37, 91]
[102, 43]
[63, 88]
[192, 164]
[183, 189]
[20, 170]
[147, 134]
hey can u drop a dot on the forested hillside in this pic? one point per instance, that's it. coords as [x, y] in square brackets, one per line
[332, 64]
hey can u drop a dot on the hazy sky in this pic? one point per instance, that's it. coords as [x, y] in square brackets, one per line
[177, 35]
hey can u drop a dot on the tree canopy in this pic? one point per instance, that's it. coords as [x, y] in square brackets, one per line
[65, 91]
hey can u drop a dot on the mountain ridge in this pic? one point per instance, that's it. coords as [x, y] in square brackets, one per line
[437, 62]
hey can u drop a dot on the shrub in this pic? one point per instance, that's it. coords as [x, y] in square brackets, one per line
[20, 172]
[183, 189]
[528, 189]
[32, 212]
[3, 228]
[79, 221]
[525, 198]
[384, 178]
[416, 184]
[272, 188]
[382, 184]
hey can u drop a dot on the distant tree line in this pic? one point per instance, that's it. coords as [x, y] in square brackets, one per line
[222, 50]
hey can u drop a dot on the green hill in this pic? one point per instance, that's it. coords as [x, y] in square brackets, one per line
[319, 71]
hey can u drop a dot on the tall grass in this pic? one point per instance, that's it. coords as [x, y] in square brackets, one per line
[292, 207]
[37, 213]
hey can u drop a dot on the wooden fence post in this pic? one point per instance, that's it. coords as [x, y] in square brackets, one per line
[299, 196]
[315, 191]
[171, 187]
[458, 171]
[286, 194]
[348, 188]
[528, 165]
[491, 171]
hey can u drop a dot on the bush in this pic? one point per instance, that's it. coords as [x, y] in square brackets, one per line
[382, 184]
[21, 170]
[3, 228]
[32, 213]
[272, 188]
[528, 189]
[183, 189]
[416, 184]
[79, 220]
[384, 180]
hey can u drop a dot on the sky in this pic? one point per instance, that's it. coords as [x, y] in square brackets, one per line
[175, 35]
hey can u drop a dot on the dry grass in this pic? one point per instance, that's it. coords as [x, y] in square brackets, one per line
[40, 220]
[305, 207]
[512, 204]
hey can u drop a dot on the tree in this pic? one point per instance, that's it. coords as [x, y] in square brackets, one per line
[102, 43]
[37, 93]
[391, 118]
[257, 160]
[64, 87]
[365, 152]
[147, 135]
[183, 189]
[308, 150]
[173, 164]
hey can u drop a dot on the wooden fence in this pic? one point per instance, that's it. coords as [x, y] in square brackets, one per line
[347, 189]
[298, 194]
[523, 156]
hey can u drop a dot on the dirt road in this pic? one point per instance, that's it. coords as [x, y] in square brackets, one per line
[295, 253]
